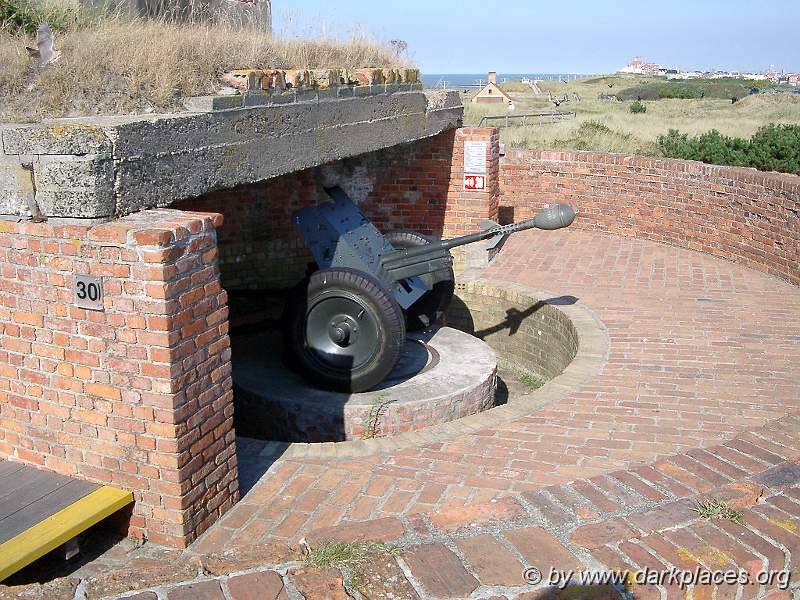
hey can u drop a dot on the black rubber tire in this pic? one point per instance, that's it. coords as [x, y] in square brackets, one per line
[429, 309]
[384, 319]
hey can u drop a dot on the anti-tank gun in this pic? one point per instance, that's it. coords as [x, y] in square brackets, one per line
[345, 325]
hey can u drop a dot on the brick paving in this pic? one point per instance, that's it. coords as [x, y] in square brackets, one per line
[483, 551]
[699, 397]
[701, 350]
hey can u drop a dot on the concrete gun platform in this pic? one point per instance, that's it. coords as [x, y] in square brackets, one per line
[443, 374]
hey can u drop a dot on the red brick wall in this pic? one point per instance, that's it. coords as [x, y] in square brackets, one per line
[743, 215]
[416, 186]
[138, 396]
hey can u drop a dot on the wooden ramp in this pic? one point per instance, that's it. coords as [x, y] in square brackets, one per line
[41, 510]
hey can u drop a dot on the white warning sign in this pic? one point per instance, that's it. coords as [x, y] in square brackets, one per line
[475, 157]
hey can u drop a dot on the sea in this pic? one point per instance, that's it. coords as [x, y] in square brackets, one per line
[462, 80]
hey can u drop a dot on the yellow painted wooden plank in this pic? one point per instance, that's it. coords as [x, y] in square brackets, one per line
[23, 549]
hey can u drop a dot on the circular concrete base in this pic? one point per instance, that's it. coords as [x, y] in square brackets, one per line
[443, 375]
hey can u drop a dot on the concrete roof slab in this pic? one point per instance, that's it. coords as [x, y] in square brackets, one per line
[112, 166]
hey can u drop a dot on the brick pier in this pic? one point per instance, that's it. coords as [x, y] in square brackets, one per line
[137, 394]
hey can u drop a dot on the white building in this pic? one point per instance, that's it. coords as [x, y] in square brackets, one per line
[639, 67]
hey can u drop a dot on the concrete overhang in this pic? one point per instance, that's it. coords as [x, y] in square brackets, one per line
[105, 167]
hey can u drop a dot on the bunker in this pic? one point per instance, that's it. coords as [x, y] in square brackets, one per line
[134, 247]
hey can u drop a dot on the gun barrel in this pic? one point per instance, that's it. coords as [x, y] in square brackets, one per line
[488, 233]
[553, 217]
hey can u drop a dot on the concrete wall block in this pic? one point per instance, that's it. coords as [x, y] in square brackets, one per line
[75, 186]
[12, 203]
[448, 118]
[71, 138]
[254, 99]
[344, 92]
[308, 95]
[8, 167]
[56, 172]
[78, 204]
[439, 99]
[212, 103]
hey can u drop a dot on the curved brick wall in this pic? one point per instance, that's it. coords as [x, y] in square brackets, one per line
[744, 215]
[528, 334]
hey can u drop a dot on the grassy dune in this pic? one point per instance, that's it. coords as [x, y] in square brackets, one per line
[116, 66]
[610, 126]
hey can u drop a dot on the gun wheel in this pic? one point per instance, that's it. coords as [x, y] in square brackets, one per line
[343, 329]
[430, 308]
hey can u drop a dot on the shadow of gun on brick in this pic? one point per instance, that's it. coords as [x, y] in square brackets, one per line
[461, 316]
[524, 337]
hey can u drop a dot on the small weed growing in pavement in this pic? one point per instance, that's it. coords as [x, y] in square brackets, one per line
[717, 509]
[531, 381]
[374, 417]
[347, 554]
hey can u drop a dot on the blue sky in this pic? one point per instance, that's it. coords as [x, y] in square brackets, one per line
[562, 36]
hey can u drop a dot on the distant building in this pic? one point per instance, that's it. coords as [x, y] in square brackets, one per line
[639, 67]
[492, 94]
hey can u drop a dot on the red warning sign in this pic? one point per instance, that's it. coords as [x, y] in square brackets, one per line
[474, 183]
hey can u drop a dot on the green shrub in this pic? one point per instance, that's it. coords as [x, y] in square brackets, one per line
[776, 148]
[638, 108]
[690, 89]
[772, 148]
[593, 127]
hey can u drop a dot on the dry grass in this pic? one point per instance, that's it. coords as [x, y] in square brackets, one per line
[14, 63]
[120, 67]
[610, 126]
[347, 554]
